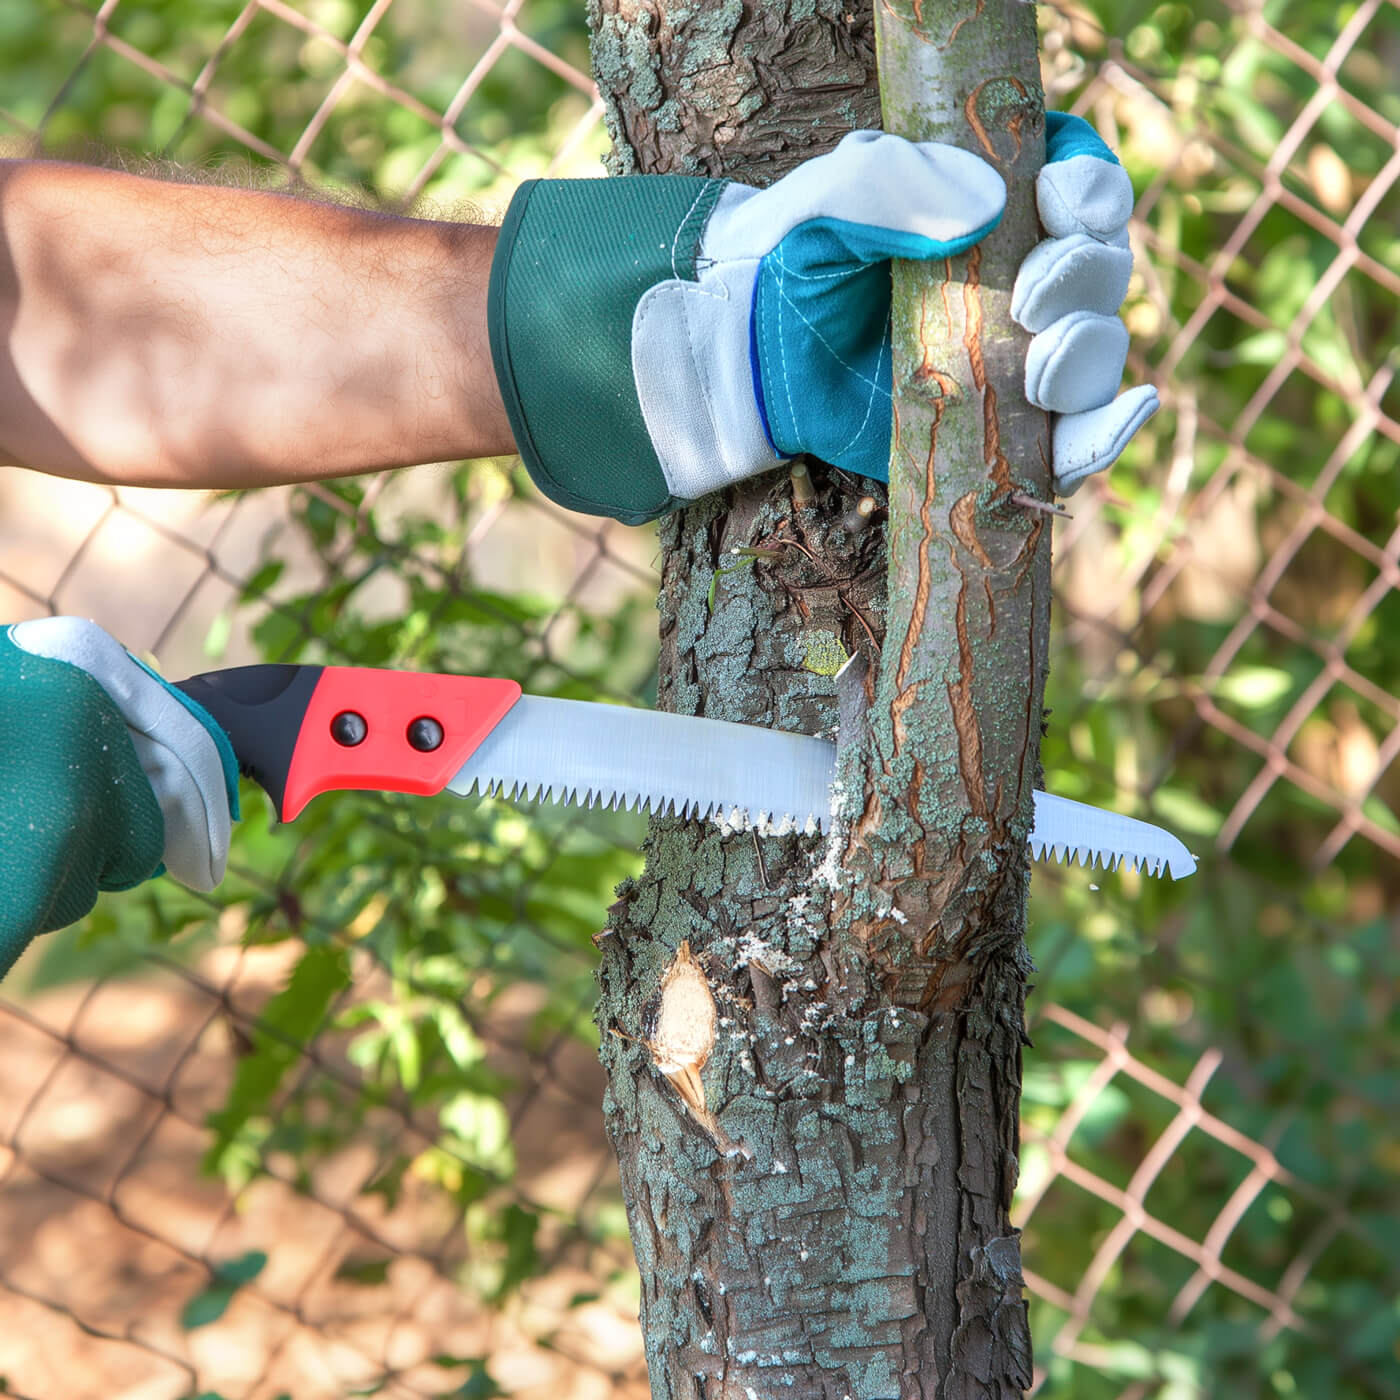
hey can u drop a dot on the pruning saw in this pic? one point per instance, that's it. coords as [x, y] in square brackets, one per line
[299, 731]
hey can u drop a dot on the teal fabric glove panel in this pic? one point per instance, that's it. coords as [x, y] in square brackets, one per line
[78, 814]
[821, 336]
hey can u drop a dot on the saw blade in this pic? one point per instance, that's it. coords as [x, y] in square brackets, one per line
[595, 755]
[1074, 831]
[598, 755]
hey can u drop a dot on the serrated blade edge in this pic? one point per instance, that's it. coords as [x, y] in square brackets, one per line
[596, 755]
[1074, 831]
[592, 754]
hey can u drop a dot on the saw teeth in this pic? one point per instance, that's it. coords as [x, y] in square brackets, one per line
[1088, 857]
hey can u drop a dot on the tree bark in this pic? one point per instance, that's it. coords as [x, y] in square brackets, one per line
[813, 1045]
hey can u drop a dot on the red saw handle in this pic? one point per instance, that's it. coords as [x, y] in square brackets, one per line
[303, 730]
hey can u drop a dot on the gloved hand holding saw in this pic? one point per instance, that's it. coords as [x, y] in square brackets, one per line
[714, 331]
[111, 771]
[109, 776]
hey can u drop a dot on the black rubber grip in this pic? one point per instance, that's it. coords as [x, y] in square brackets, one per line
[260, 708]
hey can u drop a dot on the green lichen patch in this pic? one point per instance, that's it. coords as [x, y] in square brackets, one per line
[822, 653]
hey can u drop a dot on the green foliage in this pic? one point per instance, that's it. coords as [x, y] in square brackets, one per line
[410, 917]
[267, 80]
[287, 1024]
[1285, 968]
[480, 1383]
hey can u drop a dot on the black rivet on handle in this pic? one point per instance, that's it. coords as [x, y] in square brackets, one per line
[425, 734]
[349, 729]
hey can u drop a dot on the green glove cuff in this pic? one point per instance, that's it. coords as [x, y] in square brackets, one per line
[78, 813]
[572, 260]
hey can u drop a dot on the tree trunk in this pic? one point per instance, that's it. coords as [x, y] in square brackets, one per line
[813, 1046]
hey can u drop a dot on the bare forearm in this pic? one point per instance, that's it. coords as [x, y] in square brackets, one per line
[190, 335]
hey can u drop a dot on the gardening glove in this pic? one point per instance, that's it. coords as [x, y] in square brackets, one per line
[656, 338]
[108, 774]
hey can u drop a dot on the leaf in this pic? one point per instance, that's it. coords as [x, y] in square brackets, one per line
[1375, 809]
[210, 1305]
[216, 638]
[263, 578]
[479, 1385]
[1186, 812]
[1264, 348]
[517, 1227]
[481, 1127]
[1254, 687]
[365, 1271]
[388, 1183]
[288, 1022]
[206, 1307]
[408, 1051]
[242, 1270]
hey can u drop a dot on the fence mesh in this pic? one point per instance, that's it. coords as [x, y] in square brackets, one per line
[1207, 1104]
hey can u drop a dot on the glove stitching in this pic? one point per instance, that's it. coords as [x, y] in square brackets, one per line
[821, 276]
[680, 228]
[870, 399]
[851, 369]
[818, 336]
[782, 343]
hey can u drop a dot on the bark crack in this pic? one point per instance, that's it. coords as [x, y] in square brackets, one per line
[964, 708]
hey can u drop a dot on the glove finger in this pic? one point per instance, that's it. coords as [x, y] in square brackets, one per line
[899, 198]
[1085, 443]
[1084, 195]
[1077, 363]
[1067, 136]
[1063, 275]
[177, 751]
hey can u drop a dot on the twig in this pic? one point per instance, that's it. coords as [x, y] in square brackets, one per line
[1019, 498]
[860, 618]
[758, 851]
[803, 492]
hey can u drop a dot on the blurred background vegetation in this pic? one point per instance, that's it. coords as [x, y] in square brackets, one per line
[1227, 663]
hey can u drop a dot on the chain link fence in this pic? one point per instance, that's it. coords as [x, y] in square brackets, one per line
[211, 1186]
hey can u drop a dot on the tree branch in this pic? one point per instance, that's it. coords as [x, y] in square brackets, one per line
[938, 845]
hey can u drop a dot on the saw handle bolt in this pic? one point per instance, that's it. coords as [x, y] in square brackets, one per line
[348, 728]
[425, 734]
